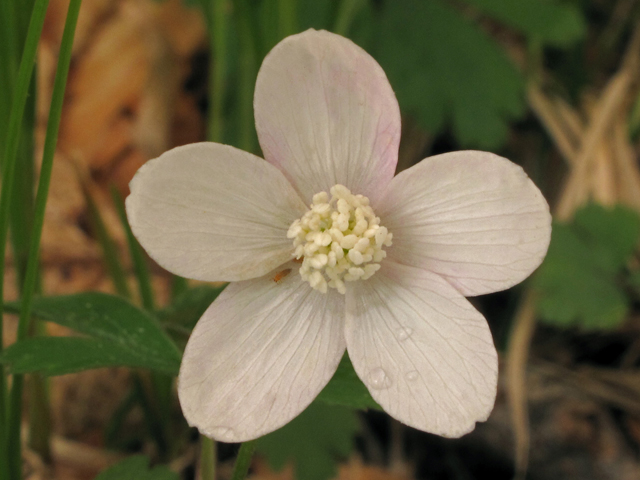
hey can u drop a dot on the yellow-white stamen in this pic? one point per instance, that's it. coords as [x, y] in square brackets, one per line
[340, 239]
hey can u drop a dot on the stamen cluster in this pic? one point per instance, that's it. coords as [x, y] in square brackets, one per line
[340, 239]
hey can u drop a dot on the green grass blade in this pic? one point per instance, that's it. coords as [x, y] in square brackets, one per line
[22, 203]
[217, 29]
[287, 18]
[109, 250]
[8, 65]
[248, 72]
[347, 11]
[10, 152]
[137, 255]
[51, 138]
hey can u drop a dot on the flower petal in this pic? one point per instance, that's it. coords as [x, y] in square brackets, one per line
[212, 212]
[425, 354]
[326, 114]
[259, 356]
[473, 217]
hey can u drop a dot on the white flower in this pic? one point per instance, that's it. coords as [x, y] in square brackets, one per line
[454, 225]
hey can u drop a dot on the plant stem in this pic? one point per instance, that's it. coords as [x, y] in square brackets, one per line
[207, 458]
[112, 429]
[155, 425]
[243, 461]
[39, 416]
[51, 138]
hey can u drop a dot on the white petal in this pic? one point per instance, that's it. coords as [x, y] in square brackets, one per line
[326, 114]
[259, 356]
[212, 212]
[473, 217]
[425, 354]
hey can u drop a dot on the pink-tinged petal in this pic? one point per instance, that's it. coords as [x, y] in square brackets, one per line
[259, 356]
[326, 114]
[425, 354]
[212, 212]
[473, 217]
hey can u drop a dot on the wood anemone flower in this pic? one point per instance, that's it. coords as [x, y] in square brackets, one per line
[329, 251]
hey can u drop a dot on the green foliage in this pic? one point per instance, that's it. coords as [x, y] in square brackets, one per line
[135, 250]
[189, 306]
[611, 234]
[346, 389]
[117, 329]
[137, 468]
[550, 22]
[634, 281]
[580, 281]
[314, 441]
[441, 65]
[61, 355]
[634, 120]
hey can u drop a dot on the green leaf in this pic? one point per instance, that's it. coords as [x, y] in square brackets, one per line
[550, 22]
[113, 320]
[314, 441]
[137, 468]
[579, 279]
[346, 389]
[611, 234]
[634, 281]
[444, 68]
[61, 355]
[189, 306]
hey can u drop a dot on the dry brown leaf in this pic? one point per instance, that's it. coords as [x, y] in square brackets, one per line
[104, 86]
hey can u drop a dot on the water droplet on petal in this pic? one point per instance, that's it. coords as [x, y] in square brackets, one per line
[412, 376]
[379, 379]
[403, 333]
[222, 432]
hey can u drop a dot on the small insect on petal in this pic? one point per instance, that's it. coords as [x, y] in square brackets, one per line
[280, 275]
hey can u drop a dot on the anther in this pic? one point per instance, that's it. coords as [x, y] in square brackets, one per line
[338, 240]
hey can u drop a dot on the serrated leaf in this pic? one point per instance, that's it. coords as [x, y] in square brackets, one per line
[611, 234]
[578, 282]
[314, 441]
[111, 319]
[440, 64]
[552, 23]
[137, 468]
[62, 355]
[345, 388]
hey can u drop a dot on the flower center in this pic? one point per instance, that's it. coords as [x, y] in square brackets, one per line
[341, 240]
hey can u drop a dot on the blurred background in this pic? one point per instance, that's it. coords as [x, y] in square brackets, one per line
[551, 85]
